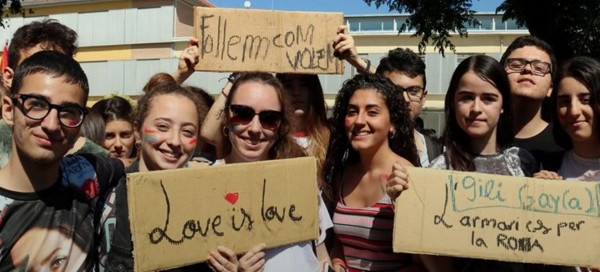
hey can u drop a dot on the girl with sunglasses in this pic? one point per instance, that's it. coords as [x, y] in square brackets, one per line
[477, 137]
[371, 140]
[167, 121]
[257, 127]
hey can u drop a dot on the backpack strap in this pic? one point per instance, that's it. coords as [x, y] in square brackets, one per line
[434, 148]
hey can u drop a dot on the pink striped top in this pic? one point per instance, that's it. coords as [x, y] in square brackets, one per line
[366, 236]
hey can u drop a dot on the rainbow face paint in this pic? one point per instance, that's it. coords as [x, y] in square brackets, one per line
[193, 141]
[150, 135]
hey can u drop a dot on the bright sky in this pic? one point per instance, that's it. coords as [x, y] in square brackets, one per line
[351, 7]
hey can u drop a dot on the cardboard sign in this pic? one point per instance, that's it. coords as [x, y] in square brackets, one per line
[179, 216]
[499, 217]
[266, 40]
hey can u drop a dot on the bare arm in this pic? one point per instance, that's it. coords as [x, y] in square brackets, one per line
[212, 127]
[187, 61]
[344, 48]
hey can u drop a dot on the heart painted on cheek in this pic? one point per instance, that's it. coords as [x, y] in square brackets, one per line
[232, 197]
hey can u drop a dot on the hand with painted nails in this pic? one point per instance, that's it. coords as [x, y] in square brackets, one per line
[223, 260]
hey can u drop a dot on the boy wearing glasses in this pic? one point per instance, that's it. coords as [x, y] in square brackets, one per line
[29, 39]
[530, 63]
[45, 108]
[406, 70]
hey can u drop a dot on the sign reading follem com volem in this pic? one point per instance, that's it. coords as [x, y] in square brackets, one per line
[267, 40]
[518, 219]
[179, 216]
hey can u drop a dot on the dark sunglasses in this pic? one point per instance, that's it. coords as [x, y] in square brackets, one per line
[243, 115]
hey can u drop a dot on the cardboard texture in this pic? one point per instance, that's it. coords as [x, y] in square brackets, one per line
[179, 216]
[499, 217]
[266, 40]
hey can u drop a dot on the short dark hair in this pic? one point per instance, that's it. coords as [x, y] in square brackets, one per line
[51, 63]
[49, 32]
[585, 70]
[457, 142]
[523, 41]
[114, 108]
[405, 61]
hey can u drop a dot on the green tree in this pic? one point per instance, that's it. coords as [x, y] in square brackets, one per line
[571, 27]
[10, 8]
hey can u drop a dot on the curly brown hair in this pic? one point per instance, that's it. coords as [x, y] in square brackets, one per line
[340, 151]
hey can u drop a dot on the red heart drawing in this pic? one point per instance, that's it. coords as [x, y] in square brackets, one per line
[232, 197]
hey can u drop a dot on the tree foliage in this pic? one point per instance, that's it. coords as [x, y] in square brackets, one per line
[433, 20]
[10, 8]
[570, 27]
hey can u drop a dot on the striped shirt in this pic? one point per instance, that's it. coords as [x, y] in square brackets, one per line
[366, 236]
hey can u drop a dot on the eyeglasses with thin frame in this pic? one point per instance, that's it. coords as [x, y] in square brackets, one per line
[538, 67]
[243, 115]
[415, 93]
[37, 108]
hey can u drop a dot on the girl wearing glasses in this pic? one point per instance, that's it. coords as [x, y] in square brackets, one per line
[371, 140]
[167, 120]
[477, 137]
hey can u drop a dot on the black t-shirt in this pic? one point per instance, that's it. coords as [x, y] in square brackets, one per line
[539, 145]
[53, 229]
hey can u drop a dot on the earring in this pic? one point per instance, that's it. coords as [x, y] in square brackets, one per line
[226, 131]
[138, 144]
[392, 134]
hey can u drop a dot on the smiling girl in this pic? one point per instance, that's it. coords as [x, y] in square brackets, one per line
[372, 135]
[167, 121]
[575, 110]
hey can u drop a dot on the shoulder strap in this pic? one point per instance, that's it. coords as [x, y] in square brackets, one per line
[120, 257]
[434, 148]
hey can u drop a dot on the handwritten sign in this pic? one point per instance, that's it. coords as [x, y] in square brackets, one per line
[179, 216]
[499, 217]
[266, 40]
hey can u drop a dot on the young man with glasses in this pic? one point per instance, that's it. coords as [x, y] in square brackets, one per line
[404, 68]
[47, 200]
[530, 64]
[27, 40]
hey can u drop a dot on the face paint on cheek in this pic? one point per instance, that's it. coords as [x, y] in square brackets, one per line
[347, 121]
[150, 135]
[193, 142]
[233, 127]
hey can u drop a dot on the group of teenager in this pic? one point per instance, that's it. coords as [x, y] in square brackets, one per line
[69, 213]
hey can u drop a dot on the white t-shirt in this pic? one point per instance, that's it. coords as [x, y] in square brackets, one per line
[574, 167]
[423, 155]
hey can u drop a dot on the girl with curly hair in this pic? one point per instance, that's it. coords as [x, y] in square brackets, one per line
[371, 140]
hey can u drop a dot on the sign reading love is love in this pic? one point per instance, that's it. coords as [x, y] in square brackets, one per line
[179, 216]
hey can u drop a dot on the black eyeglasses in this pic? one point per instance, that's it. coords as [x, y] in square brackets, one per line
[37, 108]
[243, 115]
[415, 93]
[538, 67]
